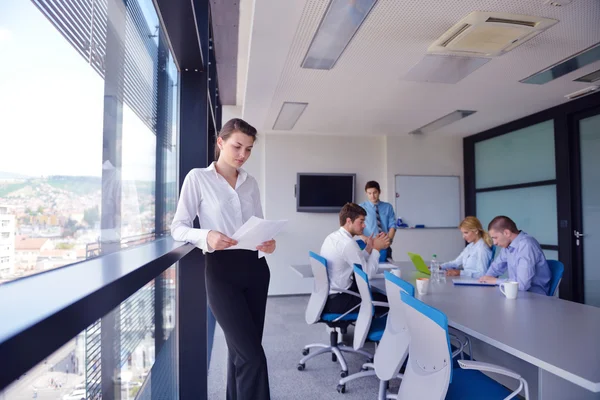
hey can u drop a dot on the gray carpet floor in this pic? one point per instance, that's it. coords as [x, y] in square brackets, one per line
[285, 335]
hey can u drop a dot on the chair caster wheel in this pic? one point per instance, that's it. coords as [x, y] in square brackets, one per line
[301, 367]
[341, 388]
[333, 357]
[305, 352]
[344, 374]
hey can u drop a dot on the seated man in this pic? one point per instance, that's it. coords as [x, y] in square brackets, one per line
[341, 252]
[380, 215]
[521, 254]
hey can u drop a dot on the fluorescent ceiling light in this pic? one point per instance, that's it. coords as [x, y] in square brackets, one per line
[288, 116]
[566, 66]
[591, 77]
[445, 120]
[582, 92]
[338, 26]
[444, 69]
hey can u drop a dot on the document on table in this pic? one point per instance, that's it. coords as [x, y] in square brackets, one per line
[255, 232]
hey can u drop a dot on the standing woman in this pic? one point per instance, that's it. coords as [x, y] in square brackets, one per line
[224, 197]
[475, 258]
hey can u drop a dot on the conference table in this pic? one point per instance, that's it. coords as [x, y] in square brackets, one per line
[552, 343]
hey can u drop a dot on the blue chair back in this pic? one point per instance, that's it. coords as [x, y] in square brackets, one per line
[556, 271]
[494, 252]
[382, 253]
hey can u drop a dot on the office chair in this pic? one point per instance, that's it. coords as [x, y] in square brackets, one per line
[392, 350]
[368, 326]
[556, 269]
[314, 314]
[430, 373]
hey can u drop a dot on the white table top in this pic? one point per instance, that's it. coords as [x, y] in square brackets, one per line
[556, 335]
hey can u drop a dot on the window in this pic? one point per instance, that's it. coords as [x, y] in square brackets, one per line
[515, 175]
[78, 160]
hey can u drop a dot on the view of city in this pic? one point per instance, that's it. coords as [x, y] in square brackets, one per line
[52, 221]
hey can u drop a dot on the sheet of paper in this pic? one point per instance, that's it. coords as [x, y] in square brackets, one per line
[255, 232]
[386, 265]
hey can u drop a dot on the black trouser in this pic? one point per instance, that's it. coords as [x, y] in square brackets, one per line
[237, 282]
[342, 302]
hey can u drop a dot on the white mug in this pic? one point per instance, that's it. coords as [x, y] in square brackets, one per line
[397, 272]
[509, 289]
[422, 285]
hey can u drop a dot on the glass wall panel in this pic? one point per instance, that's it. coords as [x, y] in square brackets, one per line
[171, 185]
[74, 371]
[589, 137]
[139, 177]
[533, 210]
[525, 155]
[79, 131]
[50, 146]
[551, 254]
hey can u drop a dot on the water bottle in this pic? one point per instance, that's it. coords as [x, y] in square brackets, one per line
[441, 273]
[434, 269]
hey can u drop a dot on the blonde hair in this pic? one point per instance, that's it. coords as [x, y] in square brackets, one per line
[473, 224]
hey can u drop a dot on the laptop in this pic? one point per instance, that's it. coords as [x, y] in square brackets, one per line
[419, 264]
[471, 282]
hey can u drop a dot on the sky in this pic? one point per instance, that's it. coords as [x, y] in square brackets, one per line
[51, 103]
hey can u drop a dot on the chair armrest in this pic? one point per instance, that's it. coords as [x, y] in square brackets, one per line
[481, 366]
[381, 304]
[348, 292]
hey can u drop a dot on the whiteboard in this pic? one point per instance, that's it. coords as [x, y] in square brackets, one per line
[433, 201]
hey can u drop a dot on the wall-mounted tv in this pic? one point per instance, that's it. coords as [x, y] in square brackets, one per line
[324, 193]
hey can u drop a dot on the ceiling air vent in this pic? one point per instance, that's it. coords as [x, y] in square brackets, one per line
[489, 34]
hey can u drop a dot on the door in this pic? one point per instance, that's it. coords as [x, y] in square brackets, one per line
[586, 221]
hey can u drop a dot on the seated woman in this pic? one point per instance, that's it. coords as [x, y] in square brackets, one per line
[475, 258]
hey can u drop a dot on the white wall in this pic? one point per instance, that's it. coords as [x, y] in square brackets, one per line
[276, 159]
[285, 156]
[425, 155]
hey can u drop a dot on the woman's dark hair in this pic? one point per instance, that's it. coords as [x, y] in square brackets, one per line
[232, 126]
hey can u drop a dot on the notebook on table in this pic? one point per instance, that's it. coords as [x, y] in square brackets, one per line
[471, 282]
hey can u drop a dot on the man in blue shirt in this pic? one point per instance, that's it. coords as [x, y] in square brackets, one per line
[380, 215]
[521, 254]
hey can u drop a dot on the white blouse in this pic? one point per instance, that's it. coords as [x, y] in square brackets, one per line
[206, 194]
[474, 259]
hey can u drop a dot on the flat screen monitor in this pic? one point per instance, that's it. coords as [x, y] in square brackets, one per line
[324, 193]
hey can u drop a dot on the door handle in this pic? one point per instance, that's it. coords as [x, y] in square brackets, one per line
[577, 234]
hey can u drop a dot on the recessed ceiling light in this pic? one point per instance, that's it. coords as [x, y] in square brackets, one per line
[339, 25]
[582, 92]
[589, 78]
[565, 66]
[441, 122]
[288, 115]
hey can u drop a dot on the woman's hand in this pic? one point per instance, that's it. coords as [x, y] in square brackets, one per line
[453, 272]
[217, 241]
[267, 247]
